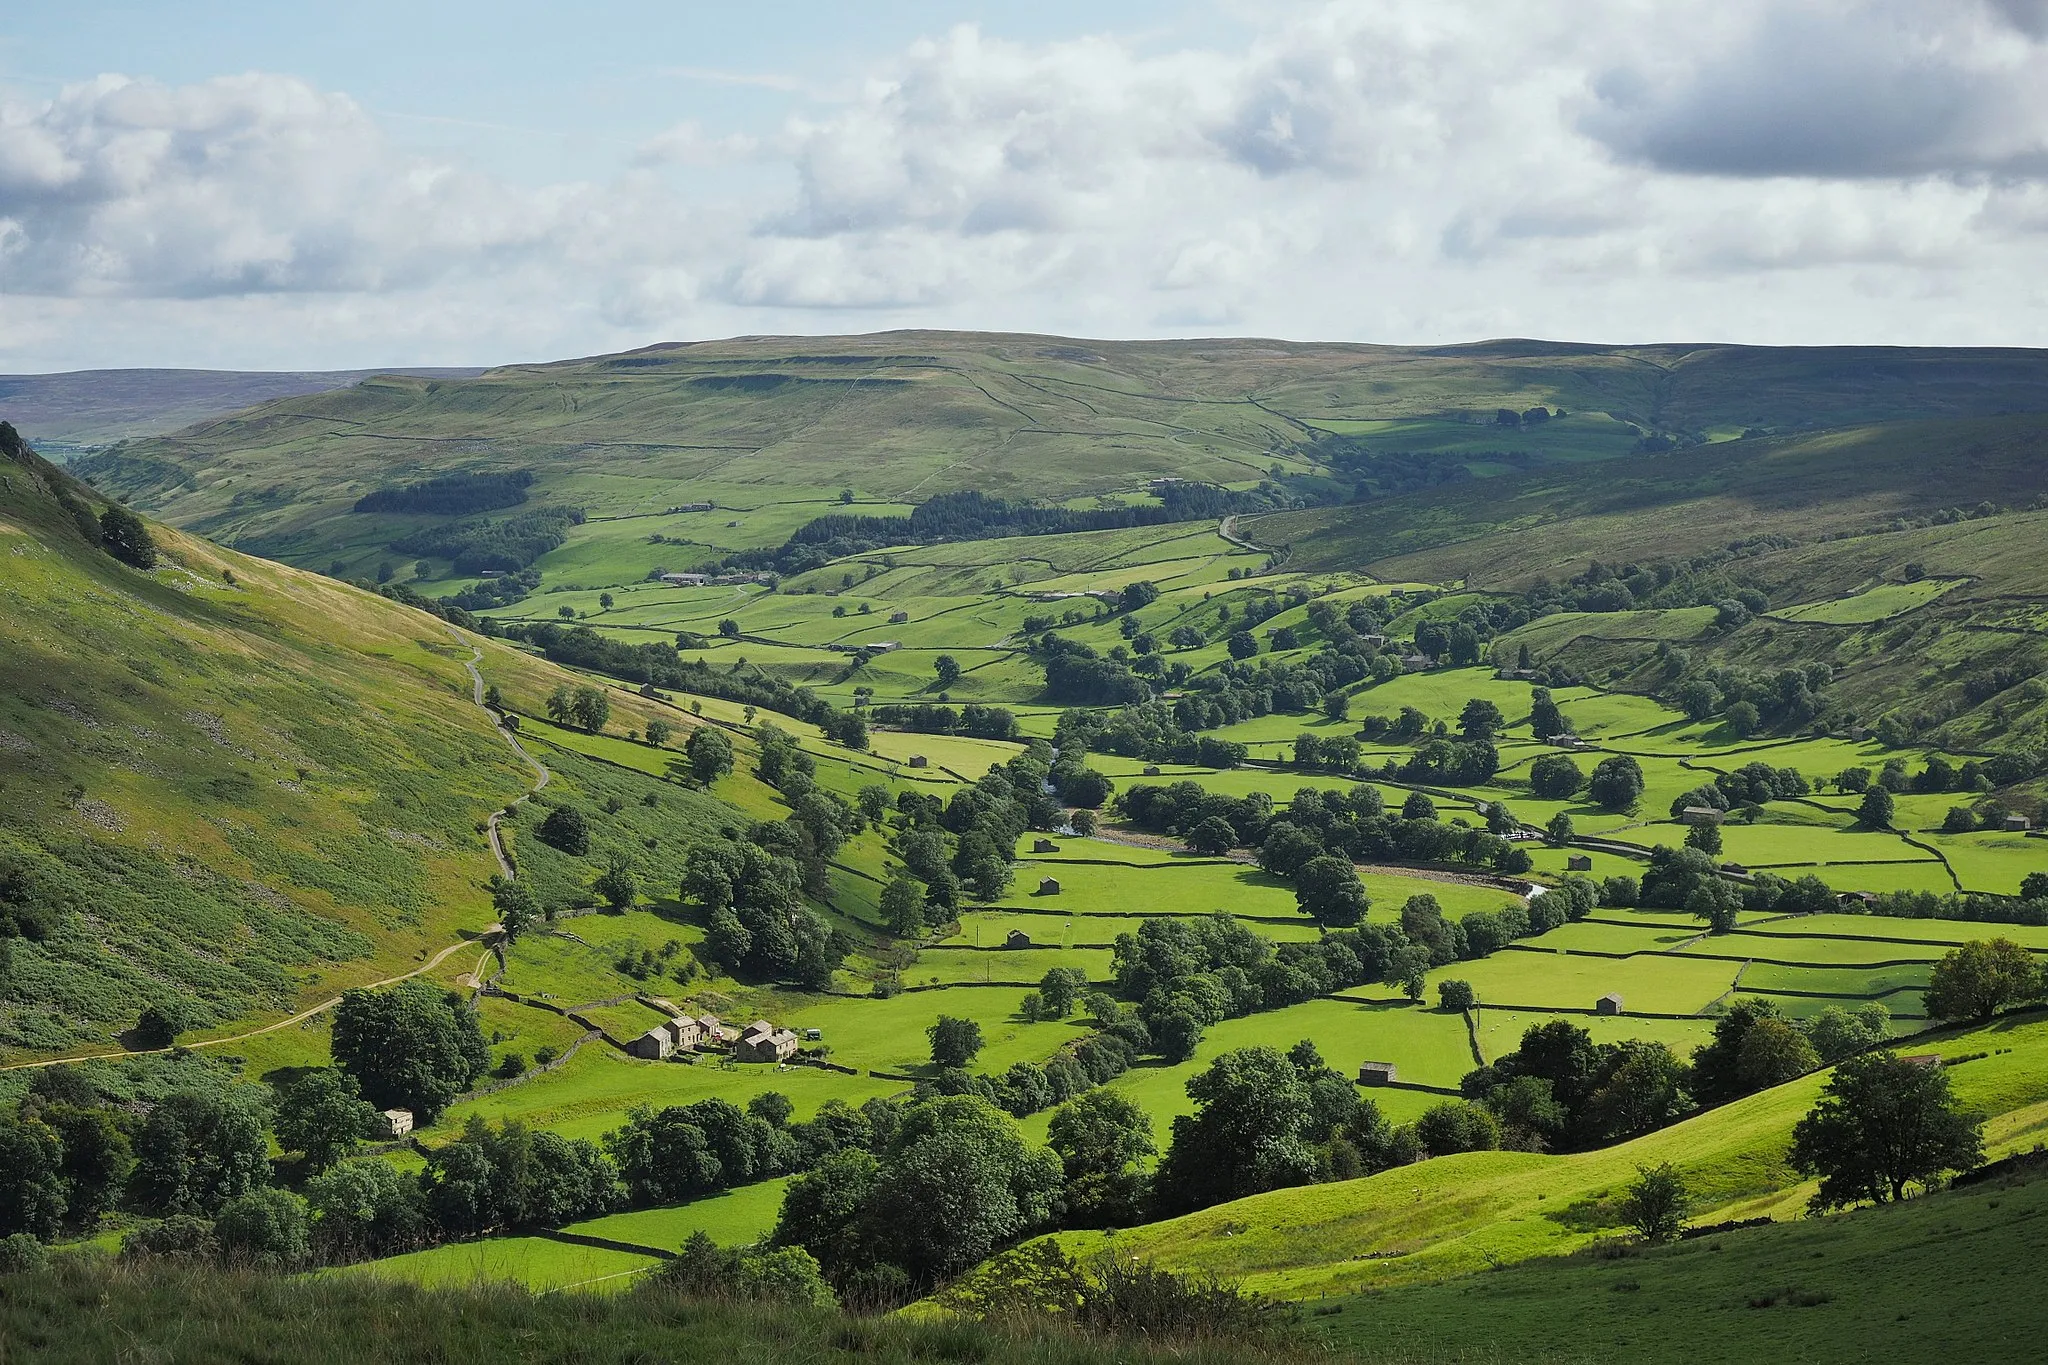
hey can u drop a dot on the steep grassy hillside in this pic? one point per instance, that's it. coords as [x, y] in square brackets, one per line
[225, 785]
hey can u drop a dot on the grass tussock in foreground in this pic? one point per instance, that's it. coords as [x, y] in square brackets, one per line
[89, 1310]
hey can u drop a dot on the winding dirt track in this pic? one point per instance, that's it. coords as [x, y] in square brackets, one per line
[497, 850]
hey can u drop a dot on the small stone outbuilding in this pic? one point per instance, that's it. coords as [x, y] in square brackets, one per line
[654, 1045]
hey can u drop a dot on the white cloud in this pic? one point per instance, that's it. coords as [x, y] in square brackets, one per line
[1841, 89]
[1395, 170]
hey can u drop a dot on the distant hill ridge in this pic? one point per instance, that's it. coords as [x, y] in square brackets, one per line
[82, 408]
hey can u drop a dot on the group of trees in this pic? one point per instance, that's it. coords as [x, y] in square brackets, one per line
[965, 846]
[1075, 674]
[1560, 1091]
[950, 1183]
[587, 708]
[977, 721]
[658, 665]
[1354, 825]
[2031, 907]
[507, 546]
[451, 495]
[1151, 731]
[757, 925]
[750, 885]
[124, 536]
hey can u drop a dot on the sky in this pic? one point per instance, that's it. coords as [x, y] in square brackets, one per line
[264, 186]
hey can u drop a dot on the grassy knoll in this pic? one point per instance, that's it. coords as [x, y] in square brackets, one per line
[1938, 1277]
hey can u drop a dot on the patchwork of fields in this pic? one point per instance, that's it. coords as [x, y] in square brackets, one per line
[971, 600]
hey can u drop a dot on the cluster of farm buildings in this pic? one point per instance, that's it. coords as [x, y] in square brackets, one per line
[714, 580]
[759, 1041]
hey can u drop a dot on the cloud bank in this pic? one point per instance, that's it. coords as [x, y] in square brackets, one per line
[1400, 170]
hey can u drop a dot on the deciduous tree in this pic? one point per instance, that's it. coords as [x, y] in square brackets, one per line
[1883, 1122]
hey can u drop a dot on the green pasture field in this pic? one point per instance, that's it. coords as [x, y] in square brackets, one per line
[569, 973]
[1844, 985]
[1427, 1045]
[514, 1028]
[1582, 435]
[1991, 862]
[1879, 603]
[1501, 1030]
[730, 1218]
[889, 1035]
[1441, 694]
[1659, 984]
[1588, 936]
[626, 1020]
[1813, 952]
[1886, 876]
[1389, 891]
[968, 758]
[1099, 927]
[1789, 846]
[1176, 888]
[1911, 933]
[590, 1095]
[1096, 850]
[1550, 862]
[536, 1263]
[950, 966]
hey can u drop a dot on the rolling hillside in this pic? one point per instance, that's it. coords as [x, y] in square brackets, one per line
[1455, 1215]
[901, 416]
